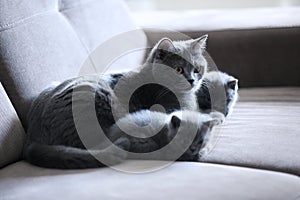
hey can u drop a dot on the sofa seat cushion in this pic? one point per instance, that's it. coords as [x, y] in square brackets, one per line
[181, 180]
[263, 131]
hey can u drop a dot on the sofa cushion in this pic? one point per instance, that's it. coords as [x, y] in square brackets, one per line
[11, 131]
[181, 180]
[263, 131]
[47, 41]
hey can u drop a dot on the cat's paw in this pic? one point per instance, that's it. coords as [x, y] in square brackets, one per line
[123, 143]
[218, 117]
[117, 153]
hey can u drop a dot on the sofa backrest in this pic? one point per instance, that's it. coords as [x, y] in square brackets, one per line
[11, 132]
[46, 41]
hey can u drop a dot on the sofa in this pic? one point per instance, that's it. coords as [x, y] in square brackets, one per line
[255, 154]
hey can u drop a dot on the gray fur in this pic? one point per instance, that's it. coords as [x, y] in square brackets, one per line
[52, 138]
[153, 85]
[187, 54]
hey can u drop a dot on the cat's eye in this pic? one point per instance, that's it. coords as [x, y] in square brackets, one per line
[179, 70]
[197, 70]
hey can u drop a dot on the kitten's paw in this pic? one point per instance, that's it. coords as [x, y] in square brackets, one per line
[123, 143]
[117, 153]
[203, 152]
[218, 117]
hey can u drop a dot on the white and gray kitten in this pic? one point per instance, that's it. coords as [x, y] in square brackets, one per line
[218, 92]
[150, 131]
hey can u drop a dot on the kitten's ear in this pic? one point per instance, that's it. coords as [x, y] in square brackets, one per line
[175, 122]
[200, 43]
[231, 84]
[165, 44]
[162, 47]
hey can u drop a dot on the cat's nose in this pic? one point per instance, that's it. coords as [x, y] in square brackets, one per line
[191, 81]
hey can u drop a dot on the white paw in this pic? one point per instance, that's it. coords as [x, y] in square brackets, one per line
[219, 117]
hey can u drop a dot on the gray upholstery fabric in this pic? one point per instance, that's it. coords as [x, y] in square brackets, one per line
[46, 41]
[263, 131]
[179, 181]
[11, 131]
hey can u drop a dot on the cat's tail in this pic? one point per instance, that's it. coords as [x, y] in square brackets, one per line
[65, 157]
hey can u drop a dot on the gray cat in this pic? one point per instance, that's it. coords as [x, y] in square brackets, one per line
[52, 139]
[218, 92]
[184, 57]
[52, 136]
[150, 131]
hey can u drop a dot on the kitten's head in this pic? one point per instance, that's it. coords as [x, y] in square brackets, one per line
[219, 91]
[186, 57]
[188, 121]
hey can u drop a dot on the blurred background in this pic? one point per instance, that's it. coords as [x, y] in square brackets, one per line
[156, 5]
[150, 13]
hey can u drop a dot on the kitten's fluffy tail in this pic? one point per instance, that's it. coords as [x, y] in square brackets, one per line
[64, 157]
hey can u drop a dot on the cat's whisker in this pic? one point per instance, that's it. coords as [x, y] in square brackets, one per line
[161, 94]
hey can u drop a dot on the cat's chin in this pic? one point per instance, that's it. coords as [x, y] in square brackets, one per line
[193, 85]
[196, 86]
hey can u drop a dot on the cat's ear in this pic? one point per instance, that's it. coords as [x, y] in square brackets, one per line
[162, 48]
[231, 84]
[165, 44]
[175, 122]
[200, 43]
